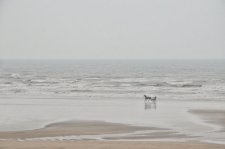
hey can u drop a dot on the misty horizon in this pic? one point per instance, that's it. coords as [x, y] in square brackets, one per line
[101, 29]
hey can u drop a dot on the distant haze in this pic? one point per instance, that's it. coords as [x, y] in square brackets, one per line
[112, 29]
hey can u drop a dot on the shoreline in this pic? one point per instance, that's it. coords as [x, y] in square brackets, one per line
[73, 128]
[105, 144]
[92, 130]
[215, 117]
[97, 122]
[99, 134]
[100, 130]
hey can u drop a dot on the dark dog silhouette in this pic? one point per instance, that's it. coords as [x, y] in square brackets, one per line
[148, 98]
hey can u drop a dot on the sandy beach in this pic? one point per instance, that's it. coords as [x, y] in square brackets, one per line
[104, 145]
[98, 134]
[74, 128]
[91, 130]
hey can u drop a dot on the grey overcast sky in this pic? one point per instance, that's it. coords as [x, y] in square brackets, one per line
[115, 29]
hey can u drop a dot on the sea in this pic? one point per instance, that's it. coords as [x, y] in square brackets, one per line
[166, 79]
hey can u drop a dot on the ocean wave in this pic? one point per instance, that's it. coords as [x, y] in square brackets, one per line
[41, 82]
[15, 75]
[191, 85]
[180, 84]
[143, 84]
[7, 83]
[166, 84]
[18, 90]
[84, 91]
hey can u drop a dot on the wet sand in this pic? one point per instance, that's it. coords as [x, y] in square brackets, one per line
[104, 145]
[76, 128]
[216, 117]
[92, 130]
[31, 138]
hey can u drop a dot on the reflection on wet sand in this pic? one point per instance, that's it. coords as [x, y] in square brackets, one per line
[150, 105]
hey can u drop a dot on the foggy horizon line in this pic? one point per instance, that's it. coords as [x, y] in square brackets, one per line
[74, 59]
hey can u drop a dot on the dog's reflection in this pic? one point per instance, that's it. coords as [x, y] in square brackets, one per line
[150, 105]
